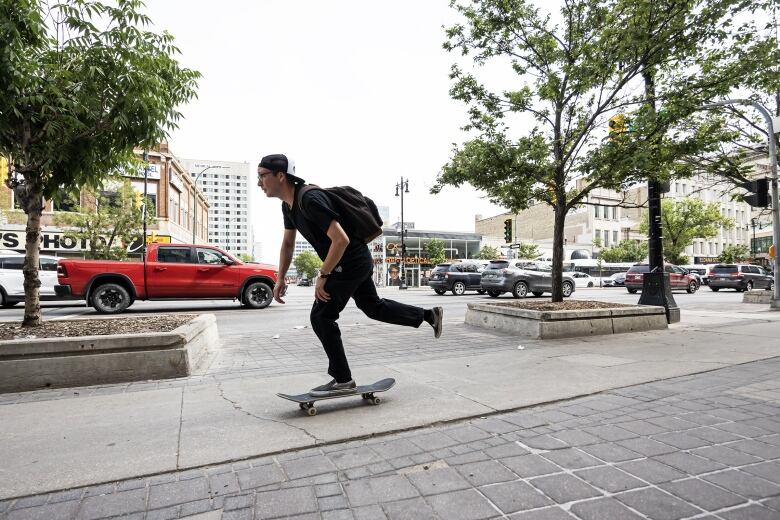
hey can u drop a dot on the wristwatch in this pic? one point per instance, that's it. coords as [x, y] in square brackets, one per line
[324, 275]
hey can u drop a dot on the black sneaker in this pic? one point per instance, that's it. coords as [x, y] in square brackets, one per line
[334, 388]
[438, 321]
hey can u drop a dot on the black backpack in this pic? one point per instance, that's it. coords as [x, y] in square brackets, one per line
[358, 214]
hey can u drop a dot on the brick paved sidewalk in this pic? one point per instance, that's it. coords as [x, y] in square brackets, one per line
[702, 446]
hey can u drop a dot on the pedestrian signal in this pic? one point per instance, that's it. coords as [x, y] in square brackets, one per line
[759, 192]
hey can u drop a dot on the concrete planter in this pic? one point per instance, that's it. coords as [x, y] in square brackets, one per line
[564, 324]
[31, 364]
[757, 296]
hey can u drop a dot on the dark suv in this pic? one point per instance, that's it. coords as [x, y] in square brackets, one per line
[521, 277]
[457, 277]
[679, 278]
[741, 277]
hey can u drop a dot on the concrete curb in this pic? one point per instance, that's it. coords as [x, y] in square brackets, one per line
[757, 296]
[565, 324]
[31, 364]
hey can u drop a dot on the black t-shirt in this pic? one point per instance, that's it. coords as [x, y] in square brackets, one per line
[320, 212]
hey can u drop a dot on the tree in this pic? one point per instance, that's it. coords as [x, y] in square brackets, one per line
[625, 251]
[435, 250]
[529, 251]
[488, 253]
[81, 84]
[114, 224]
[734, 254]
[245, 257]
[687, 219]
[571, 77]
[307, 263]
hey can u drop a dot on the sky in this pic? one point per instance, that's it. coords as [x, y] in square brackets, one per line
[355, 92]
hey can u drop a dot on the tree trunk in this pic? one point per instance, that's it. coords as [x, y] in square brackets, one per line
[32, 282]
[557, 282]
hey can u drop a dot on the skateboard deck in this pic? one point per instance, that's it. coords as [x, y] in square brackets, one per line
[306, 401]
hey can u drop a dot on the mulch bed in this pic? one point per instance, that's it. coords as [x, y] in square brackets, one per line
[92, 327]
[566, 305]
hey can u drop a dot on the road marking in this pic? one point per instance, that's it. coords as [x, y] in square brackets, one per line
[68, 316]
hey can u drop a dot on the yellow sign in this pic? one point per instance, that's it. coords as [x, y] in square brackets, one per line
[158, 239]
[772, 251]
[3, 169]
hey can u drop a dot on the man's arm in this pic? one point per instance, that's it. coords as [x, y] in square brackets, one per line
[338, 243]
[285, 257]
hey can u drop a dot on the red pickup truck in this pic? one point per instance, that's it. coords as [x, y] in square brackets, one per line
[170, 271]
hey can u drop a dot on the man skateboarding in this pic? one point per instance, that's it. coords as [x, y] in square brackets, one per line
[346, 268]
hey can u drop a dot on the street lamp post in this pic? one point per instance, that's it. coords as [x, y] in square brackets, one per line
[775, 302]
[403, 187]
[195, 200]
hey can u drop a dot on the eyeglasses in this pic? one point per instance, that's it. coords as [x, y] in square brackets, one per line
[261, 176]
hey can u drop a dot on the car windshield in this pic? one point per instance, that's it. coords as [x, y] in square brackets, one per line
[441, 268]
[639, 269]
[498, 264]
[725, 269]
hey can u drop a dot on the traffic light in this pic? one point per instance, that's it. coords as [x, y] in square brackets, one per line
[508, 231]
[618, 124]
[759, 192]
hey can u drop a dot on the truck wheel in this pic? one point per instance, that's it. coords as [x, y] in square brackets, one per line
[520, 290]
[458, 288]
[110, 298]
[258, 295]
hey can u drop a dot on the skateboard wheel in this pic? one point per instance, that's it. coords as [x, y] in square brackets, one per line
[375, 400]
[311, 411]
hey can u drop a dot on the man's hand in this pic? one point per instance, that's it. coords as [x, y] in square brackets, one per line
[319, 290]
[280, 289]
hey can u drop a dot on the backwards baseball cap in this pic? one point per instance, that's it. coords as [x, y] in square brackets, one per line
[279, 162]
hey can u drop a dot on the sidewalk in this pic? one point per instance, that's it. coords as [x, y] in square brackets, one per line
[230, 413]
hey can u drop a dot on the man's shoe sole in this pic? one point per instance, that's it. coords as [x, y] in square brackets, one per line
[438, 321]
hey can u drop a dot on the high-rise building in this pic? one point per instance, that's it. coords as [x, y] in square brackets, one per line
[226, 186]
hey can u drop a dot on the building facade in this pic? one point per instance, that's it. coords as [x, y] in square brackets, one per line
[168, 185]
[226, 185]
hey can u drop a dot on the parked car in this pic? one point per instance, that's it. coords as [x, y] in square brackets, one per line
[170, 271]
[12, 278]
[457, 277]
[304, 282]
[742, 277]
[582, 279]
[679, 278]
[616, 280]
[520, 277]
[700, 271]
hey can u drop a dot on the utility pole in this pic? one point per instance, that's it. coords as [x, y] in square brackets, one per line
[403, 187]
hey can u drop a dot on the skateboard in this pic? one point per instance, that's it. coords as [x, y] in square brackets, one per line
[306, 401]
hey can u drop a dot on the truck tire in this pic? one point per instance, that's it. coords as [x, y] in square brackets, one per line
[258, 295]
[110, 298]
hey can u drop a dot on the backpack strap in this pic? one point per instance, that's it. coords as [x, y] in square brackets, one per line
[299, 197]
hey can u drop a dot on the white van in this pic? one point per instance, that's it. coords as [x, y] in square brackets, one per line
[12, 278]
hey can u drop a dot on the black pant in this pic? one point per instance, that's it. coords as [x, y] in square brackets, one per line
[354, 281]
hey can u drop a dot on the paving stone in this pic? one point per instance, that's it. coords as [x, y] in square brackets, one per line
[672, 424]
[190, 509]
[767, 470]
[751, 512]
[571, 458]
[35, 500]
[759, 449]
[713, 435]
[545, 442]
[252, 478]
[433, 441]
[327, 490]
[465, 434]
[373, 512]
[702, 494]
[509, 449]
[772, 503]
[548, 513]
[238, 514]
[642, 427]
[127, 485]
[462, 505]
[352, 458]
[657, 505]
[307, 467]
[704, 419]
[223, 484]
[239, 502]
[467, 458]
[741, 429]
[651, 471]
[495, 425]
[113, 504]
[610, 433]
[376, 490]
[164, 495]
[339, 514]
[514, 496]
[725, 455]
[45, 512]
[435, 481]
[646, 447]
[610, 452]
[688, 463]
[380, 468]
[166, 513]
[609, 479]
[680, 440]
[410, 509]
[524, 419]
[576, 437]
[603, 509]
[564, 488]
[332, 503]
[485, 472]
[530, 465]
[285, 502]
[744, 484]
